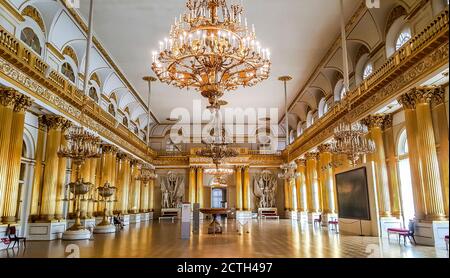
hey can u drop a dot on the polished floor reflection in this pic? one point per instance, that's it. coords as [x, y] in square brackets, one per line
[263, 239]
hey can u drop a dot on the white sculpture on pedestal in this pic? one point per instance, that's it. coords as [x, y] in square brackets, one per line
[264, 188]
[172, 188]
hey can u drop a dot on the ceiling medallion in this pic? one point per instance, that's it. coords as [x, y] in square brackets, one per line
[212, 49]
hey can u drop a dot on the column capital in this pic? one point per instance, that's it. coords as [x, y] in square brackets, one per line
[325, 148]
[22, 103]
[407, 101]
[135, 162]
[427, 95]
[300, 162]
[55, 122]
[375, 121]
[7, 96]
[123, 156]
[107, 148]
[311, 155]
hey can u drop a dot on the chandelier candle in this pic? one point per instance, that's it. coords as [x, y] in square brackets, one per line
[210, 50]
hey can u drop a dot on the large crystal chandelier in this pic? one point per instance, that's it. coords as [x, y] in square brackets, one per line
[351, 140]
[212, 49]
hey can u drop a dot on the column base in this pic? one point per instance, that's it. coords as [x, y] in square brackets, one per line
[289, 214]
[389, 223]
[431, 233]
[126, 219]
[302, 216]
[145, 217]
[135, 218]
[46, 231]
[313, 216]
[76, 235]
[9, 220]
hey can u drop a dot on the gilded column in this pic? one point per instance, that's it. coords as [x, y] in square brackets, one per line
[123, 182]
[302, 197]
[327, 176]
[61, 179]
[375, 124]
[286, 195]
[108, 162]
[134, 188]
[55, 124]
[392, 163]
[7, 101]
[414, 159]
[312, 182]
[38, 170]
[151, 188]
[442, 126]
[427, 152]
[200, 188]
[192, 185]
[246, 190]
[14, 159]
[239, 205]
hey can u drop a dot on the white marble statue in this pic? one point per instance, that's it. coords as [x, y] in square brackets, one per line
[172, 188]
[264, 188]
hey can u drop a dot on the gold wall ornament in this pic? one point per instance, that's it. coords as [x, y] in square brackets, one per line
[212, 49]
[32, 13]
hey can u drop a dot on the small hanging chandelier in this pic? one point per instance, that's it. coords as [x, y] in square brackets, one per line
[351, 140]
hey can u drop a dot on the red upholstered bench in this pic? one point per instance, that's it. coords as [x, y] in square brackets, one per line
[405, 233]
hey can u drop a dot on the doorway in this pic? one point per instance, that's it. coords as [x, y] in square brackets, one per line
[219, 198]
[406, 191]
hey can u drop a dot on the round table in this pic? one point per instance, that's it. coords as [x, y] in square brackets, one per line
[215, 227]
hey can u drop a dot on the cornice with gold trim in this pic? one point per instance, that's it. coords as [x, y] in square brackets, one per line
[429, 52]
[12, 10]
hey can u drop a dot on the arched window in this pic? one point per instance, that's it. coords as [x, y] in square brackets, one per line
[125, 121]
[403, 38]
[323, 107]
[111, 109]
[29, 37]
[309, 119]
[291, 137]
[299, 129]
[68, 72]
[368, 70]
[343, 92]
[403, 144]
[93, 94]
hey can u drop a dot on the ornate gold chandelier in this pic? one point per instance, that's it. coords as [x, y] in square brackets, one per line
[147, 174]
[217, 144]
[212, 49]
[351, 140]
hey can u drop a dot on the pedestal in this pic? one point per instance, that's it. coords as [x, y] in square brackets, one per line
[145, 217]
[46, 230]
[242, 214]
[126, 220]
[87, 223]
[431, 233]
[76, 235]
[104, 229]
[388, 223]
[135, 218]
